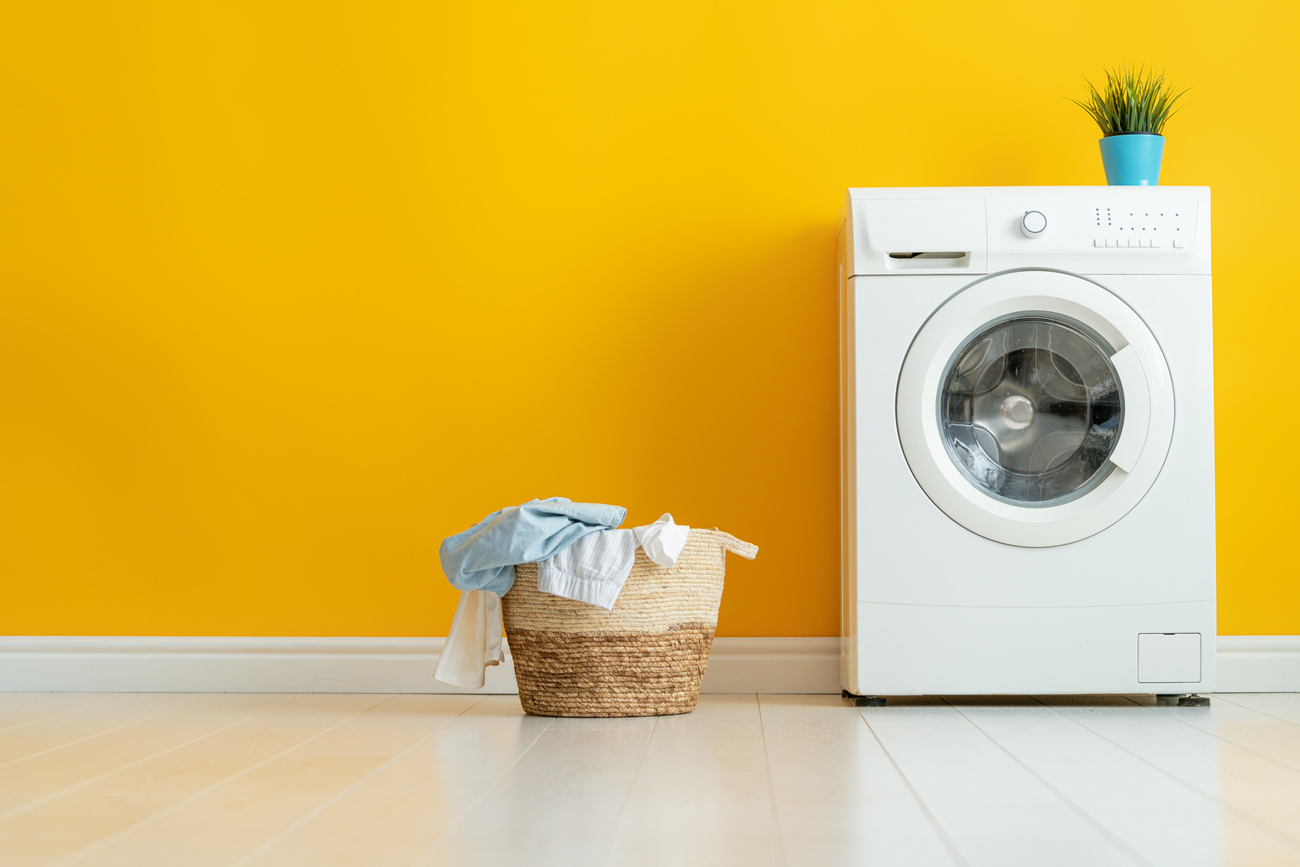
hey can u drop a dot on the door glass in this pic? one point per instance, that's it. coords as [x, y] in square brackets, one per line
[1030, 411]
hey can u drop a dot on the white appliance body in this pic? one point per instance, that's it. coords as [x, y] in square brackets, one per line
[1027, 442]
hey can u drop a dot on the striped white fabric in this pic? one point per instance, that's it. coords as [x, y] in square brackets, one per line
[594, 568]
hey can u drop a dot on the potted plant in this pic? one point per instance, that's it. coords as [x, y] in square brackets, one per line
[1131, 110]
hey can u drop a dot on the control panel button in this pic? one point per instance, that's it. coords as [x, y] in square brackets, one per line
[1144, 242]
[1111, 242]
[1033, 224]
[1178, 243]
[1155, 242]
[1132, 242]
[1099, 242]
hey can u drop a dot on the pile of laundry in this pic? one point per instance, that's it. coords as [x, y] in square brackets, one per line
[579, 555]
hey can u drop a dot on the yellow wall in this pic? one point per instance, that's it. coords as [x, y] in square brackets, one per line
[290, 291]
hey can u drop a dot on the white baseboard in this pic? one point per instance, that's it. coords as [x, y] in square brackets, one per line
[1259, 663]
[1246, 663]
[255, 664]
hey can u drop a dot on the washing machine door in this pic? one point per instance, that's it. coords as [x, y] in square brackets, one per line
[1035, 408]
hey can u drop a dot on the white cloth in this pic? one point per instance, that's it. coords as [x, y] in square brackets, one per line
[595, 568]
[474, 642]
[663, 540]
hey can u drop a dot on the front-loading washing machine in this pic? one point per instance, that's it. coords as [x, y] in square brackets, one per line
[1027, 441]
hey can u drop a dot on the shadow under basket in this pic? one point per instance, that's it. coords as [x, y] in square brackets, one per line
[644, 658]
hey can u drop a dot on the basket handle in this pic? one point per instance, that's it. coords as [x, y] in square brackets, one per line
[748, 550]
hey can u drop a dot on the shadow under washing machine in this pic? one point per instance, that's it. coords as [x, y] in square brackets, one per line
[1027, 441]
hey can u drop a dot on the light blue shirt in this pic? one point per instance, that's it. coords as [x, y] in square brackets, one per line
[484, 556]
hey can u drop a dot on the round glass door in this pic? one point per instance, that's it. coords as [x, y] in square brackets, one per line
[1034, 408]
[1030, 410]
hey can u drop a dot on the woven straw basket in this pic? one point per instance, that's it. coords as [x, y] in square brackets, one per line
[644, 658]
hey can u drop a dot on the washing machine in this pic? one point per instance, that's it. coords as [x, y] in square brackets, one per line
[1027, 443]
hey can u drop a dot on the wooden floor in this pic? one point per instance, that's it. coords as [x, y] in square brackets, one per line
[180, 780]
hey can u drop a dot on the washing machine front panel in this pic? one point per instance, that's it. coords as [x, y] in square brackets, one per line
[1035, 408]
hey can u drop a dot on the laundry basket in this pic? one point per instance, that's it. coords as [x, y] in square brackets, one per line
[644, 658]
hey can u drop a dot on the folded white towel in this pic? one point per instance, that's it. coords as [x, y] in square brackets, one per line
[595, 568]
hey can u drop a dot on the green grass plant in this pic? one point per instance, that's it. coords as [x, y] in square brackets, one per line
[1133, 100]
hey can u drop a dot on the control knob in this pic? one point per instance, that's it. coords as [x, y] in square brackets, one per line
[1033, 224]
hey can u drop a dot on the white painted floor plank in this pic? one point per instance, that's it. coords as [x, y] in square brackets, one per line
[110, 805]
[233, 818]
[44, 775]
[701, 796]
[601, 722]
[1282, 705]
[556, 806]
[995, 811]
[1163, 820]
[10, 701]
[391, 781]
[1255, 731]
[1256, 786]
[24, 708]
[397, 813]
[106, 713]
[839, 798]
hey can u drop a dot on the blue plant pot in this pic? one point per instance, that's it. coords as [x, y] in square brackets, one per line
[1132, 159]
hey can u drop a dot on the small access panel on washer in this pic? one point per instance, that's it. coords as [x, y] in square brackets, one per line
[1027, 441]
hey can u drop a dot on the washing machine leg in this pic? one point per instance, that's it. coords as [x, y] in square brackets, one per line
[864, 700]
[1194, 700]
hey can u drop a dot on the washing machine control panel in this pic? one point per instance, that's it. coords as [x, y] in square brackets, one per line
[1133, 221]
[981, 230]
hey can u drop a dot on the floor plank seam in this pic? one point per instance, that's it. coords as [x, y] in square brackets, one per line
[778, 839]
[429, 852]
[607, 850]
[275, 840]
[87, 851]
[38, 720]
[88, 737]
[45, 799]
[942, 834]
[1178, 718]
[1264, 712]
[1105, 832]
[1239, 813]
